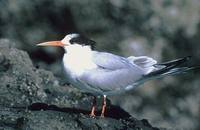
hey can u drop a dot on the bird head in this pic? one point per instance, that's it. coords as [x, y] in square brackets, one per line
[70, 40]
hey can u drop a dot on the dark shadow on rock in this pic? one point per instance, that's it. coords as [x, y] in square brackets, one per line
[113, 112]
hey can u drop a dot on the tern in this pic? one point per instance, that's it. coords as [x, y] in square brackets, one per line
[103, 73]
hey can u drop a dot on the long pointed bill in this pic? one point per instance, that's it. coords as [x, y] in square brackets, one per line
[52, 43]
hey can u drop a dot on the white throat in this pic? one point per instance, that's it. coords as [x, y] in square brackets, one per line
[76, 48]
[77, 59]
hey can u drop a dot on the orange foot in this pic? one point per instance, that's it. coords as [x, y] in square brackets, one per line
[92, 114]
[103, 107]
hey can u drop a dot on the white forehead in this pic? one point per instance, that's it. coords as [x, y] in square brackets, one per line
[68, 37]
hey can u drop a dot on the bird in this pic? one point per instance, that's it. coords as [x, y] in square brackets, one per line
[105, 74]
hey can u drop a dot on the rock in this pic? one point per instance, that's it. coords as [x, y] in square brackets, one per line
[23, 119]
[34, 99]
[165, 30]
[22, 84]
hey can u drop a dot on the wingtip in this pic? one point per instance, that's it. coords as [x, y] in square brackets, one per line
[195, 67]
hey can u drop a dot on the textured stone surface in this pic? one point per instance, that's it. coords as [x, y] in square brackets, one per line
[33, 99]
[23, 119]
[164, 30]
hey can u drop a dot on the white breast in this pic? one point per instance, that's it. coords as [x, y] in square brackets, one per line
[78, 59]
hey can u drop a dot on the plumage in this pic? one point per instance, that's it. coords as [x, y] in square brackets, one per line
[107, 74]
[112, 74]
[144, 62]
[104, 73]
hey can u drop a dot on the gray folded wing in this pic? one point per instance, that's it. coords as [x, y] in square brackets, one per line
[144, 62]
[113, 72]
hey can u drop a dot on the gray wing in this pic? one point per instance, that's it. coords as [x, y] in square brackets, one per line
[144, 62]
[110, 61]
[113, 72]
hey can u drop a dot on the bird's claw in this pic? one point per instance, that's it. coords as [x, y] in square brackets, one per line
[92, 115]
[102, 115]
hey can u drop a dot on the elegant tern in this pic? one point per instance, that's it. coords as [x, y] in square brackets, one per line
[102, 73]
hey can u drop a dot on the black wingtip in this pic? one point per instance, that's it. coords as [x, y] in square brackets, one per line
[175, 62]
[194, 67]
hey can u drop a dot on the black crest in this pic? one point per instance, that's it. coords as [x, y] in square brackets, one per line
[82, 40]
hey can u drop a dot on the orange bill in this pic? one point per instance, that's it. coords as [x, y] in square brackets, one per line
[51, 43]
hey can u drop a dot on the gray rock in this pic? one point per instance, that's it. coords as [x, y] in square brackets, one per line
[33, 99]
[23, 119]
[22, 84]
[163, 30]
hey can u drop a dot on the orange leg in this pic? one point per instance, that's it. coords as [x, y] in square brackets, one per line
[92, 114]
[103, 106]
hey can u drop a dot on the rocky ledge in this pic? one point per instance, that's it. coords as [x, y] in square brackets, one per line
[33, 99]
